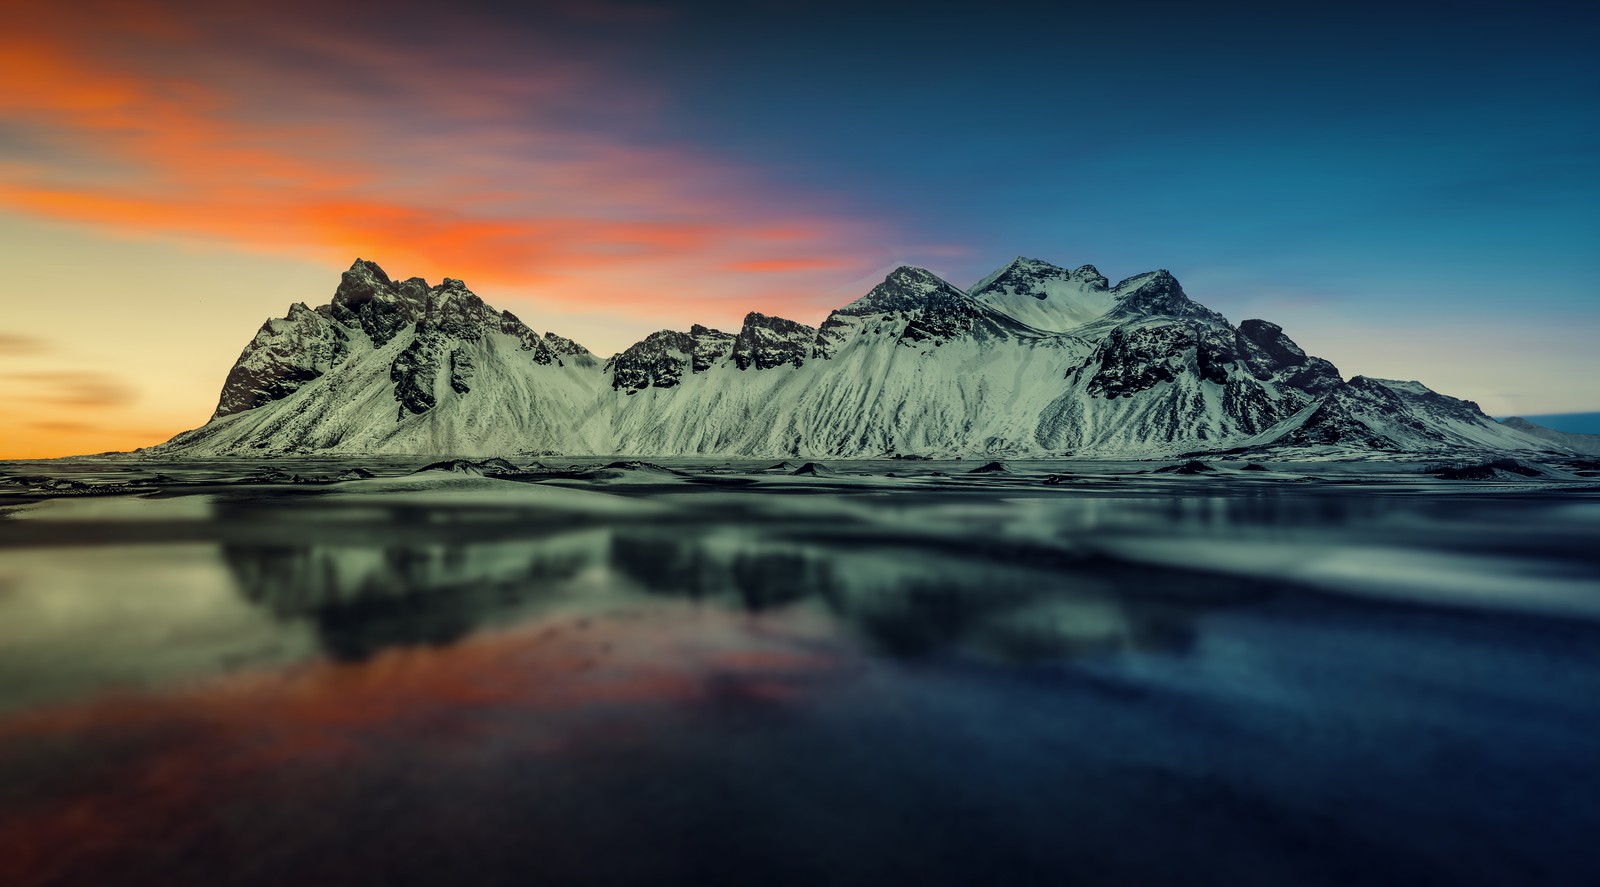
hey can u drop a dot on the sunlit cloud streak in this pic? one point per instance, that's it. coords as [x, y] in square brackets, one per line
[12, 344]
[71, 388]
[507, 155]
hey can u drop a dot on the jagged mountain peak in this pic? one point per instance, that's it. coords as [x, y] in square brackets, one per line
[756, 317]
[765, 342]
[915, 365]
[367, 268]
[1045, 296]
[1158, 293]
[1410, 386]
[441, 336]
[661, 359]
[1030, 275]
[1141, 278]
[1011, 267]
[1257, 328]
[563, 346]
[363, 281]
[913, 273]
[1270, 338]
[906, 288]
[914, 306]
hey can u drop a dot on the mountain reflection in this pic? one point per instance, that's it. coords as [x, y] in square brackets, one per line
[910, 601]
[362, 599]
[901, 600]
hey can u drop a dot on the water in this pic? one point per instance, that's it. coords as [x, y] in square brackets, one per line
[768, 680]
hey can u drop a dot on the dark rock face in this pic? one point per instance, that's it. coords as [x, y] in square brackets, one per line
[1273, 356]
[915, 302]
[305, 345]
[527, 339]
[461, 371]
[1142, 354]
[660, 359]
[284, 355]
[654, 362]
[944, 318]
[1216, 353]
[1189, 468]
[1129, 361]
[1278, 348]
[452, 466]
[1333, 423]
[707, 346]
[452, 317]
[919, 308]
[413, 372]
[990, 468]
[453, 310]
[905, 289]
[766, 342]
[1497, 469]
[368, 300]
[829, 337]
[561, 346]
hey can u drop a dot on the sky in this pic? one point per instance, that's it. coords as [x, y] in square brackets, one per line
[1409, 192]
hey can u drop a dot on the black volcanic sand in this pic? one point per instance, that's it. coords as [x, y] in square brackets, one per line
[600, 675]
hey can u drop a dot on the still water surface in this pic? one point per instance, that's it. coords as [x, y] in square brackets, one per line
[717, 685]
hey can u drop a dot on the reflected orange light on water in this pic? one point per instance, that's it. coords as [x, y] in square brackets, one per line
[127, 778]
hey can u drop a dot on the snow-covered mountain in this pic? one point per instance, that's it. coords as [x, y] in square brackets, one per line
[1034, 360]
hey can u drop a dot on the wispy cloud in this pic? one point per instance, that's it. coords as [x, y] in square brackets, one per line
[507, 155]
[15, 344]
[71, 388]
[62, 427]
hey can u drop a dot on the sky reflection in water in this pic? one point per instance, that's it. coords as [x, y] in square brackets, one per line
[719, 687]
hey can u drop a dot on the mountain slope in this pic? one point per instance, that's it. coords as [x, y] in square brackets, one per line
[408, 369]
[1034, 360]
[1587, 444]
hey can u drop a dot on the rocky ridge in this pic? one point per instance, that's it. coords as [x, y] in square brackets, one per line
[1034, 360]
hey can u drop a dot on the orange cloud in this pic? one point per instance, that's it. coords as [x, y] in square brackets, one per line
[259, 129]
[781, 266]
[513, 157]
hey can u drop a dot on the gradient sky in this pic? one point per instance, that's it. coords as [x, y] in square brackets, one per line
[1410, 193]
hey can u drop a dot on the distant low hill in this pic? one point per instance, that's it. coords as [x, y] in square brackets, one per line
[1571, 423]
[1588, 444]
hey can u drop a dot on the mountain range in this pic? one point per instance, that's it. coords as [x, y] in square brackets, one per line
[1034, 360]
